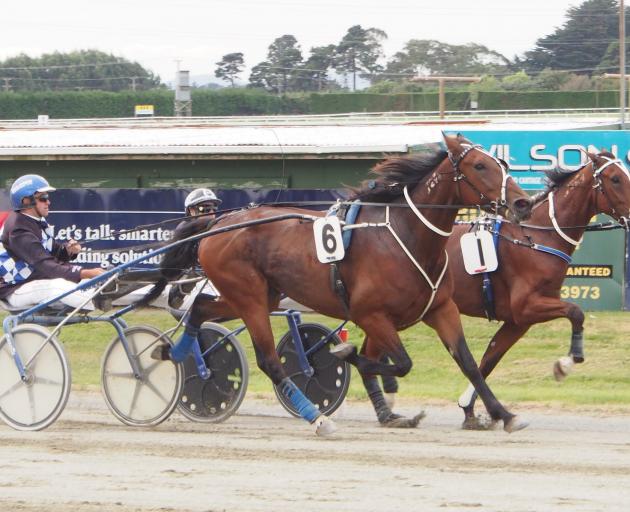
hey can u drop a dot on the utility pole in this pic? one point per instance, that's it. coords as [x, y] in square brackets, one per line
[622, 64]
[183, 101]
[441, 80]
[622, 96]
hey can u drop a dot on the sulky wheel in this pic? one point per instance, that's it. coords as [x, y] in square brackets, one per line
[214, 400]
[35, 402]
[148, 398]
[328, 386]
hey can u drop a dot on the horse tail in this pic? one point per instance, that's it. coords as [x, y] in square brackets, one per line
[178, 260]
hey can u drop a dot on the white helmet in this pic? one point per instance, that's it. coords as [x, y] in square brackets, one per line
[201, 195]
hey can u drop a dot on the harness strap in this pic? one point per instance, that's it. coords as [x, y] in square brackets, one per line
[434, 286]
[552, 216]
[487, 291]
[551, 250]
[424, 220]
[338, 286]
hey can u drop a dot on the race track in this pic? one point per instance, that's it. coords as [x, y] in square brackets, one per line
[263, 460]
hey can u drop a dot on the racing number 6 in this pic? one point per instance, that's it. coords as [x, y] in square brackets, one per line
[329, 241]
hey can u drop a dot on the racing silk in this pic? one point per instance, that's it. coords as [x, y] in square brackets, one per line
[28, 252]
[12, 271]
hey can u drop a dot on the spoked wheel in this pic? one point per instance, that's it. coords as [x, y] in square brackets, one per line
[35, 402]
[214, 400]
[328, 386]
[146, 399]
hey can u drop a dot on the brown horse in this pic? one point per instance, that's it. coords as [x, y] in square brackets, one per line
[526, 285]
[392, 271]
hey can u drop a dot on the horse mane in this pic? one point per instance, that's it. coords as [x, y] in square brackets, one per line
[556, 177]
[553, 180]
[392, 174]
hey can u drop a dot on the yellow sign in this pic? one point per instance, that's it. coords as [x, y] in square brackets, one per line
[601, 271]
[144, 110]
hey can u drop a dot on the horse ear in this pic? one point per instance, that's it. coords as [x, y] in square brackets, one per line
[592, 156]
[452, 143]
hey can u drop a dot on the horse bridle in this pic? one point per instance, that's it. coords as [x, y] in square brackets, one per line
[599, 186]
[460, 176]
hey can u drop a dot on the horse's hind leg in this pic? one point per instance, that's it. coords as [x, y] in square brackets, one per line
[255, 314]
[446, 321]
[500, 343]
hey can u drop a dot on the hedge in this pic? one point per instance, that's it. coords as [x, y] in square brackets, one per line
[226, 102]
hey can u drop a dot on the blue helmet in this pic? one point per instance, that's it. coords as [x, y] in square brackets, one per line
[27, 186]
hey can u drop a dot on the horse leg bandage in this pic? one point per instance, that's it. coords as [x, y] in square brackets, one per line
[304, 407]
[577, 347]
[185, 343]
[383, 412]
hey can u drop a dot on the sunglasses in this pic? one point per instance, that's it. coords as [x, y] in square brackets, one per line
[44, 198]
[208, 208]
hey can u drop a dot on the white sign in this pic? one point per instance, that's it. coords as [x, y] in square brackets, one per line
[328, 240]
[479, 252]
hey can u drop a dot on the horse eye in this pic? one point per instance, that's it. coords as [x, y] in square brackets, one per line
[480, 167]
[615, 180]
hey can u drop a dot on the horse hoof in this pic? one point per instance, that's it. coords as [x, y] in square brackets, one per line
[324, 426]
[562, 367]
[161, 353]
[397, 421]
[514, 424]
[343, 350]
[478, 423]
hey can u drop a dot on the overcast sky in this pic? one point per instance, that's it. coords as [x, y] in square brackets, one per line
[156, 33]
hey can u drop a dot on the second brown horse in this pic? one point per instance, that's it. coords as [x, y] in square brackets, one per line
[526, 285]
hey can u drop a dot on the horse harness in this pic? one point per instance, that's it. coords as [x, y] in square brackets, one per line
[493, 225]
[348, 213]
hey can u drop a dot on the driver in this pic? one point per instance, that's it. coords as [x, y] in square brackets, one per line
[201, 201]
[34, 268]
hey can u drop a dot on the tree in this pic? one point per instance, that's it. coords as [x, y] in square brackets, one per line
[359, 52]
[517, 82]
[583, 42]
[278, 72]
[430, 57]
[313, 74]
[229, 67]
[83, 69]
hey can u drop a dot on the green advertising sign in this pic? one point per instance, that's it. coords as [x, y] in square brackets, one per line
[596, 275]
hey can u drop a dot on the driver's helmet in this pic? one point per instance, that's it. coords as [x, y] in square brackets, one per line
[27, 186]
[201, 196]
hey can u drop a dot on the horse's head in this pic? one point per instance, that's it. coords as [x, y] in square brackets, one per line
[485, 179]
[611, 182]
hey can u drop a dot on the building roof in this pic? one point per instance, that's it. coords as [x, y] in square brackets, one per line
[289, 136]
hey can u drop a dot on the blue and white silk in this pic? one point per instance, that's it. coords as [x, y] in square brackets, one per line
[17, 271]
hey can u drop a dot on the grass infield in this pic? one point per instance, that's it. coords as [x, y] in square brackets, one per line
[524, 375]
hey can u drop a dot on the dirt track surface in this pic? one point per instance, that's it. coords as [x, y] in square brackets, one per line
[263, 460]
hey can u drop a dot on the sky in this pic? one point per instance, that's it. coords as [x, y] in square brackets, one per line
[195, 34]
